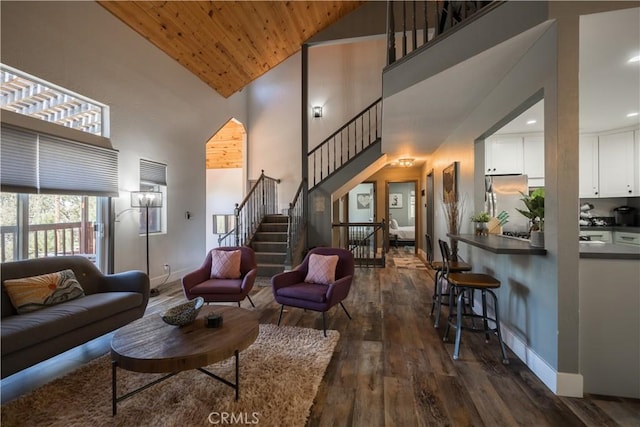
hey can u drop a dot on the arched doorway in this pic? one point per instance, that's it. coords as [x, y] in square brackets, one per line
[225, 163]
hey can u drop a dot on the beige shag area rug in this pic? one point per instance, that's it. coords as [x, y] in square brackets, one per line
[279, 377]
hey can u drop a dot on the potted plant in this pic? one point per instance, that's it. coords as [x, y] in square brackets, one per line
[481, 219]
[535, 212]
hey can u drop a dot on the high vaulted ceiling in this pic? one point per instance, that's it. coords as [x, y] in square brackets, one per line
[229, 44]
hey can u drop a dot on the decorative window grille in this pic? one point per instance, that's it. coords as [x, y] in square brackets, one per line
[31, 96]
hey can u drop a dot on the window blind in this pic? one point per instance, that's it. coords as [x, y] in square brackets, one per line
[68, 167]
[18, 161]
[153, 172]
[61, 166]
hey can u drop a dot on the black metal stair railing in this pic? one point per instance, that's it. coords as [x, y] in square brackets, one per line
[366, 240]
[345, 144]
[261, 200]
[431, 18]
[296, 224]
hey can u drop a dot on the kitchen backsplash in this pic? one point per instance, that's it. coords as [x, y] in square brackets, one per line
[605, 206]
[603, 209]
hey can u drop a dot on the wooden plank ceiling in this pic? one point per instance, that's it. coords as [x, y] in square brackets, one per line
[229, 44]
[224, 149]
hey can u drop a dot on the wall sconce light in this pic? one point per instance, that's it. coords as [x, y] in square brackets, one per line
[317, 111]
[405, 162]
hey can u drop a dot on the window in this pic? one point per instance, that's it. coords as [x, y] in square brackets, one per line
[31, 96]
[52, 225]
[153, 177]
[56, 183]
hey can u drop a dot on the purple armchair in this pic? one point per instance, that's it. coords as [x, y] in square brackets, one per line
[290, 289]
[200, 284]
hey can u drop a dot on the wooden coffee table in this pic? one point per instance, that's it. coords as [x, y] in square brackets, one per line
[151, 346]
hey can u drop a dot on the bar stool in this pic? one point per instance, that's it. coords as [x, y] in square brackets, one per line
[438, 267]
[462, 282]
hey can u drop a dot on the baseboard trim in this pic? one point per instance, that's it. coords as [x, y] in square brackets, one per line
[560, 383]
[174, 275]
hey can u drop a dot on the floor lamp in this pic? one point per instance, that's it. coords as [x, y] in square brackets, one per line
[146, 200]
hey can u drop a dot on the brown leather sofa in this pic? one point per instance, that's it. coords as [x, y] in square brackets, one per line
[110, 302]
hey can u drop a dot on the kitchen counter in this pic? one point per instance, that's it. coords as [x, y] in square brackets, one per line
[608, 250]
[499, 245]
[610, 228]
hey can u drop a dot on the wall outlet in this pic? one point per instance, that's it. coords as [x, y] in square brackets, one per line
[166, 267]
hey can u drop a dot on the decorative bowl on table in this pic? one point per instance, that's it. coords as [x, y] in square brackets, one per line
[184, 313]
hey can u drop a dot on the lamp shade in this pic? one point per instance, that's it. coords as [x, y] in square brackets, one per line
[143, 199]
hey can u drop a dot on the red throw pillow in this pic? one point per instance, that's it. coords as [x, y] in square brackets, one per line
[225, 264]
[322, 269]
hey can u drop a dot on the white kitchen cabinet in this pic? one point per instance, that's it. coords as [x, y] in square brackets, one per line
[533, 154]
[503, 155]
[588, 173]
[626, 238]
[600, 235]
[616, 165]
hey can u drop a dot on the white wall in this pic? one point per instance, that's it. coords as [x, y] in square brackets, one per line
[365, 191]
[274, 131]
[343, 78]
[224, 190]
[159, 111]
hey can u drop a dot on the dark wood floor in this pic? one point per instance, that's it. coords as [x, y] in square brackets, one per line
[392, 368]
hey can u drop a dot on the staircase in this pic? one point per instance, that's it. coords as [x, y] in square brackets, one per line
[270, 245]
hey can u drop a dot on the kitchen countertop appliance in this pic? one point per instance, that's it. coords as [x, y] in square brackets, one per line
[585, 214]
[624, 215]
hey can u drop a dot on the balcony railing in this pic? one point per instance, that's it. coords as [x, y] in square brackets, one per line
[415, 24]
[69, 238]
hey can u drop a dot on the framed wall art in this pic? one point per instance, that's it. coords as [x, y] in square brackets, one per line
[395, 200]
[450, 183]
[363, 201]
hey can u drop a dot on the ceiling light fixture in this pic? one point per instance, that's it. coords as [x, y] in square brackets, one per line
[406, 162]
[634, 59]
[634, 114]
[532, 122]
